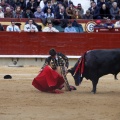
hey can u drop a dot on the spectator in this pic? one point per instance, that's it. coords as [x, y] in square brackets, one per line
[114, 10]
[1, 27]
[59, 5]
[50, 28]
[117, 24]
[100, 3]
[77, 26]
[99, 24]
[94, 10]
[1, 13]
[39, 13]
[45, 9]
[118, 16]
[80, 9]
[69, 28]
[30, 27]
[8, 13]
[32, 4]
[61, 14]
[28, 14]
[11, 3]
[42, 3]
[87, 15]
[65, 3]
[109, 3]
[25, 4]
[54, 4]
[49, 15]
[104, 12]
[4, 5]
[13, 27]
[70, 11]
[77, 15]
[18, 12]
[21, 4]
[109, 24]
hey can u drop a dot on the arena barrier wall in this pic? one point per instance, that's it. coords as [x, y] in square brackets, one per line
[73, 44]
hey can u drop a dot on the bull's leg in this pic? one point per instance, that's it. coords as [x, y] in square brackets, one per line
[94, 82]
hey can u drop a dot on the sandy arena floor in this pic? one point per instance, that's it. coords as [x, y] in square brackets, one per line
[19, 100]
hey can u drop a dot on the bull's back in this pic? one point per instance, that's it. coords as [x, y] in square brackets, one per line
[103, 61]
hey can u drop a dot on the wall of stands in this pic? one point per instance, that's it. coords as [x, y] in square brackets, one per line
[68, 43]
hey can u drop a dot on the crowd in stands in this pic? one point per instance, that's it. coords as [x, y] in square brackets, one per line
[59, 9]
[49, 10]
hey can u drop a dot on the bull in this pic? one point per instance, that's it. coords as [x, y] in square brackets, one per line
[95, 64]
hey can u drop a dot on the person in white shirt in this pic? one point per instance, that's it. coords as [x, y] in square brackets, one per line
[117, 24]
[30, 27]
[1, 13]
[13, 27]
[50, 28]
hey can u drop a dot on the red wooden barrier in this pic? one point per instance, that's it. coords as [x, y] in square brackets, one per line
[67, 43]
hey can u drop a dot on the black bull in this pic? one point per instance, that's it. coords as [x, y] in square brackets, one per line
[95, 64]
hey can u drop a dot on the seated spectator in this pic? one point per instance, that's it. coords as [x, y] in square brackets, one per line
[94, 10]
[30, 27]
[11, 2]
[114, 10]
[24, 6]
[13, 27]
[99, 24]
[3, 4]
[65, 3]
[39, 13]
[32, 4]
[117, 24]
[42, 3]
[109, 24]
[61, 14]
[87, 15]
[49, 15]
[58, 6]
[77, 15]
[109, 3]
[70, 11]
[104, 12]
[100, 3]
[69, 28]
[18, 12]
[8, 13]
[1, 13]
[48, 5]
[77, 26]
[1, 27]
[28, 14]
[80, 9]
[118, 16]
[50, 28]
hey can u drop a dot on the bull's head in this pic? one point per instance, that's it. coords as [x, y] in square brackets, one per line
[76, 76]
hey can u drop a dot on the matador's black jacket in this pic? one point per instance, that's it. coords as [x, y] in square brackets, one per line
[57, 60]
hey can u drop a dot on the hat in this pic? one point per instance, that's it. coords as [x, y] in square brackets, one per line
[98, 21]
[7, 77]
[52, 52]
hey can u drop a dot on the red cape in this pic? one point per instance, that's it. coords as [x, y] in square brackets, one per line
[48, 80]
